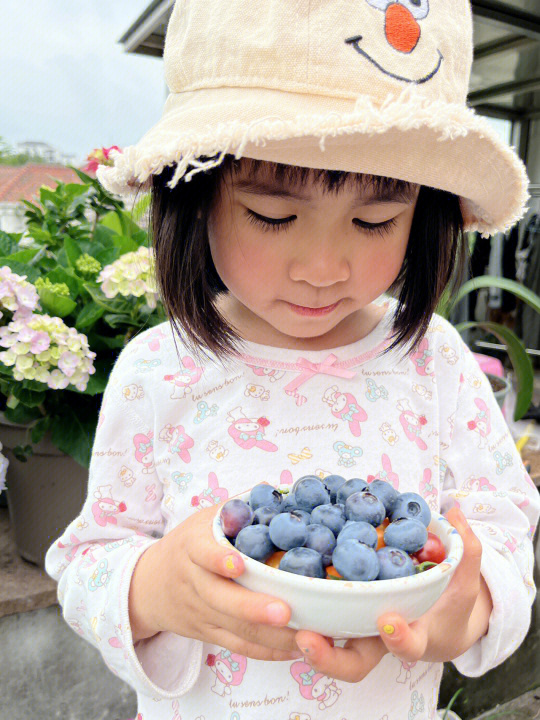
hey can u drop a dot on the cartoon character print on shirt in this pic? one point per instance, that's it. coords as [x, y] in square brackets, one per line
[315, 685]
[386, 474]
[428, 490]
[422, 391]
[100, 577]
[183, 379]
[133, 392]
[374, 391]
[179, 442]
[270, 373]
[299, 716]
[449, 354]
[388, 434]
[144, 450]
[105, 509]
[182, 480]
[411, 423]
[422, 359]
[502, 461]
[481, 424]
[212, 495]
[203, 411]
[256, 391]
[344, 406]
[216, 451]
[474, 484]
[152, 339]
[347, 453]
[417, 705]
[142, 365]
[126, 475]
[249, 432]
[304, 454]
[229, 669]
[405, 671]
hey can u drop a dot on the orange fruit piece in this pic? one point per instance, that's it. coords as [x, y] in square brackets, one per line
[380, 536]
[275, 558]
[332, 572]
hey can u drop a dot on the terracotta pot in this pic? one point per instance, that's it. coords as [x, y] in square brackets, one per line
[44, 494]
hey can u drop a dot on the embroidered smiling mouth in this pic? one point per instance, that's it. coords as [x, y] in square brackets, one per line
[355, 40]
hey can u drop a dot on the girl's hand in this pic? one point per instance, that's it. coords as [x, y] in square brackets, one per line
[457, 620]
[182, 584]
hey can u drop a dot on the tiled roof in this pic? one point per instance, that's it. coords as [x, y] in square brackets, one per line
[23, 182]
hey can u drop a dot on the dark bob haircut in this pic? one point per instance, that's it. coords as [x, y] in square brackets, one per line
[189, 285]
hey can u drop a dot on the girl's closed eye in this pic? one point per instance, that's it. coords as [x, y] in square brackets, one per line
[278, 224]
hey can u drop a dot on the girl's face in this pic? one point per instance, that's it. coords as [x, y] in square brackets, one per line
[280, 247]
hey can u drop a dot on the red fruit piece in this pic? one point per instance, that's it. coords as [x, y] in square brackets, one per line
[433, 550]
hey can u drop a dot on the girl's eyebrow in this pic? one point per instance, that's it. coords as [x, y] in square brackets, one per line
[405, 195]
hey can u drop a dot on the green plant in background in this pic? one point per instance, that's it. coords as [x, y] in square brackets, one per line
[519, 358]
[74, 288]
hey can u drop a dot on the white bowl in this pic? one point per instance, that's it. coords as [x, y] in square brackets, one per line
[343, 608]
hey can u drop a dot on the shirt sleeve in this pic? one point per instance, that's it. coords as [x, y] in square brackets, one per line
[94, 558]
[485, 477]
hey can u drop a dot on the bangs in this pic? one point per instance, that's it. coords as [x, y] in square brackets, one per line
[330, 181]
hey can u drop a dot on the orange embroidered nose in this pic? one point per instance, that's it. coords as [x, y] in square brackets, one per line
[402, 30]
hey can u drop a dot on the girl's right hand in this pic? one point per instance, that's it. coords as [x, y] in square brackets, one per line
[182, 584]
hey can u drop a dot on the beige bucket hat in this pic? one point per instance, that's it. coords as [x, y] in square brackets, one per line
[372, 86]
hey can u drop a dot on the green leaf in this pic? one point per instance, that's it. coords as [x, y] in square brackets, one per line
[40, 428]
[22, 256]
[48, 196]
[89, 315]
[120, 221]
[22, 414]
[72, 250]
[521, 362]
[32, 273]
[8, 244]
[422, 567]
[73, 190]
[58, 305]
[125, 244]
[30, 398]
[511, 286]
[104, 236]
[117, 320]
[23, 452]
[73, 435]
[108, 256]
[141, 238]
[141, 207]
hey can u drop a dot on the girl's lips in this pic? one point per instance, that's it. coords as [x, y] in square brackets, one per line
[313, 312]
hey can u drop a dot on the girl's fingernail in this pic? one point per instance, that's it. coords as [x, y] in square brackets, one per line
[389, 629]
[232, 563]
[276, 613]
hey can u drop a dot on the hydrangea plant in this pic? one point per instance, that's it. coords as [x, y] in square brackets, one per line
[74, 288]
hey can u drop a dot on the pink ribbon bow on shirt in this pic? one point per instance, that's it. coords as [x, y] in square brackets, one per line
[310, 369]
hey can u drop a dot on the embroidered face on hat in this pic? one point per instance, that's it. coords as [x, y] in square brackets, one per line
[344, 48]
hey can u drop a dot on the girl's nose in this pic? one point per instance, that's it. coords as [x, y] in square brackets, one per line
[319, 264]
[402, 30]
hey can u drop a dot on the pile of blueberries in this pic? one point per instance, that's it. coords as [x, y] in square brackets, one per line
[332, 522]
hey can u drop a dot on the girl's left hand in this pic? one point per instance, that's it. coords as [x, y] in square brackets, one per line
[455, 622]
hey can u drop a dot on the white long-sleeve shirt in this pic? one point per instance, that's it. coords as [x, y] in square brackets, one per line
[174, 437]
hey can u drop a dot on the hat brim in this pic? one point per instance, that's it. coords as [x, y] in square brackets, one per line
[434, 143]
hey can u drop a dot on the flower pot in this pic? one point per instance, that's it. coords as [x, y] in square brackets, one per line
[501, 386]
[44, 494]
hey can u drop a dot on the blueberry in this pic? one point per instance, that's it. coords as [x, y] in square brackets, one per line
[411, 505]
[385, 492]
[288, 503]
[263, 515]
[235, 515]
[321, 539]
[394, 563]
[330, 515]
[406, 534]
[306, 517]
[254, 541]
[303, 561]
[365, 506]
[355, 561]
[262, 495]
[362, 531]
[288, 530]
[332, 484]
[309, 492]
[350, 487]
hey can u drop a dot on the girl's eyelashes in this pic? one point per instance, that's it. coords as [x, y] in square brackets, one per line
[275, 225]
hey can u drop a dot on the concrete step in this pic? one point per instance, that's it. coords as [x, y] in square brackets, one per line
[524, 707]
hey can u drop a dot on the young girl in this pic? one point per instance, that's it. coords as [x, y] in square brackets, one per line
[312, 178]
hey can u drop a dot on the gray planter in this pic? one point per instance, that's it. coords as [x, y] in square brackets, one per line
[44, 494]
[501, 386]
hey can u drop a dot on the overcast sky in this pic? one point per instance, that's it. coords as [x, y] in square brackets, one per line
[66, 80]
